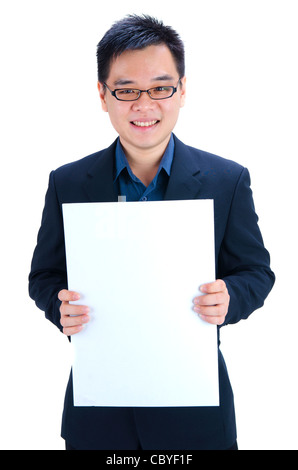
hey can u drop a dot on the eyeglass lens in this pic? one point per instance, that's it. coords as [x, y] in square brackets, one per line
[157, 93]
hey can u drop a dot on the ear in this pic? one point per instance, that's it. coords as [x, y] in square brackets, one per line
[102, 94]
[182, 92]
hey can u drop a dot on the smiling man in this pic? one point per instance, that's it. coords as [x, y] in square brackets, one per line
[144, 124]
[142, 85]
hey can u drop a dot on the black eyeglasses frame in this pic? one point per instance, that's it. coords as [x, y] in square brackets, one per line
[113, 92]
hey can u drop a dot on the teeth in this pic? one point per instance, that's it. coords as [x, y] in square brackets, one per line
[144, 124]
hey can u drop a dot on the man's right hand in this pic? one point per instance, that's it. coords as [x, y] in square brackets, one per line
[73, 317]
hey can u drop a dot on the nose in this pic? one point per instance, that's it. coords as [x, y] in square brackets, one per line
[144, 102]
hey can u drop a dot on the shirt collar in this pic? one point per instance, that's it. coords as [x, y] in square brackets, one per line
[121, 160]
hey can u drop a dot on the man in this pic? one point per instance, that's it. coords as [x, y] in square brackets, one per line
[142, 85]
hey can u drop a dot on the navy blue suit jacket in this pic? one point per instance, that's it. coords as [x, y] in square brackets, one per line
[241, 260]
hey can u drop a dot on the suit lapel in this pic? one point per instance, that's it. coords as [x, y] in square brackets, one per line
[99, 184]
[184, 181]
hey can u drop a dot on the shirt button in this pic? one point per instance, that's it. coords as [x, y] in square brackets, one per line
[144, 198]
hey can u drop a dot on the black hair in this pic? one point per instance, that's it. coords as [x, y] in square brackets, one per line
[137, 32]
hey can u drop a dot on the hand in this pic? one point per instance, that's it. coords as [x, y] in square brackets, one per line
[72, 324]
[213, 306]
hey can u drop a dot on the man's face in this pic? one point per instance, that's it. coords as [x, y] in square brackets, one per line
[143, 69]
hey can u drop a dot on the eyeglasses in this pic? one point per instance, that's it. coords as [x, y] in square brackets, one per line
[133, 94]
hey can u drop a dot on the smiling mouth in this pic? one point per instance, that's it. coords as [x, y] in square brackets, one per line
[144, 124]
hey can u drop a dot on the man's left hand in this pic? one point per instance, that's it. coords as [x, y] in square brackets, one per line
[213, 306]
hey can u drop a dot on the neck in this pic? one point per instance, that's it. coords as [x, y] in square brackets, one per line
[144, 163]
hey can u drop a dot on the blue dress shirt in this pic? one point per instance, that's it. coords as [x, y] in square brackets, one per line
[127, 184]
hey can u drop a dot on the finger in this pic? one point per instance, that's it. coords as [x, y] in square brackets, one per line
[70, 309]
[219, 320]
[69, 331]
[67, 320]
[68, 296]
[211, 299]
[211, 310]
[212, 287]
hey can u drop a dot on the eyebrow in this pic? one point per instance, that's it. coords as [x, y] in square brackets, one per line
[123, 82]
[162, 78]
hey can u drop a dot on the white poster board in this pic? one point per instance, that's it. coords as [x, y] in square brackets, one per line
[138, 266]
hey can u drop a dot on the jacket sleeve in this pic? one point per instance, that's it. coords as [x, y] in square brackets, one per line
[244, 262]
[48, 268]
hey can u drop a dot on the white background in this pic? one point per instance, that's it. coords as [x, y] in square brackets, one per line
[241, 58]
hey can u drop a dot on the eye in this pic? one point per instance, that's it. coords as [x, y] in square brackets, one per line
[161, 92]
[161, 88]
[127, 94]
[126, 91]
